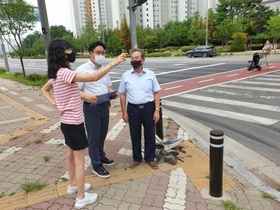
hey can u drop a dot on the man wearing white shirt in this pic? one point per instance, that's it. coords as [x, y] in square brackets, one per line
[96, 116]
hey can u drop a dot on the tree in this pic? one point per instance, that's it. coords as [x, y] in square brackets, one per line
[238, 43]
[17, 18]
[273, 28]
[124, 35]
[59, 32]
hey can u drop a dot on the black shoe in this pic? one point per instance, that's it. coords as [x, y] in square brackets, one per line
[107, 162]
[101, 171]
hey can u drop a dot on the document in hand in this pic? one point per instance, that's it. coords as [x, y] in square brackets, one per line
[105, 97]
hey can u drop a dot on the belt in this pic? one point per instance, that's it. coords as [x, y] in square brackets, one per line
[141, 106]
[105, 103]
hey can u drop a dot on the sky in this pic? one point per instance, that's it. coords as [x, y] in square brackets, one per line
[58, 12]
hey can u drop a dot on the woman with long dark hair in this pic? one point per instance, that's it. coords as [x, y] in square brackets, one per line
[67, 100]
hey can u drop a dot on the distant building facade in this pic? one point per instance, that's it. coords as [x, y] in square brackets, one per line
[153, 13]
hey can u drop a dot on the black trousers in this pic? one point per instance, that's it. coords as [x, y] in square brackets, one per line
[142, 115]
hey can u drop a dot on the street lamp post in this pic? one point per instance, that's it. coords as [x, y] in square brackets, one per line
[206, 38]
[44, 24]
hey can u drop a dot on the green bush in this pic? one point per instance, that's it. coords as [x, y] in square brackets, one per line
[158, 54]
[2, 70]
[187, 48]
[36, 77]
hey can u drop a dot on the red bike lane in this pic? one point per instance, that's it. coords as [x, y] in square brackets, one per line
[187, 85]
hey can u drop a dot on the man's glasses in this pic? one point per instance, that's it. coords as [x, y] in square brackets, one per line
[100, 52]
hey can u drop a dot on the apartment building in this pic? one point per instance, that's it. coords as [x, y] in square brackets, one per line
[153, 13]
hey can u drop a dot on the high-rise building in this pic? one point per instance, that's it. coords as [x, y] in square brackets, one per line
[153, 13]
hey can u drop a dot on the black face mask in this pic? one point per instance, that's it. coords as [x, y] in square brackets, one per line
[71, 57]
[136, 64]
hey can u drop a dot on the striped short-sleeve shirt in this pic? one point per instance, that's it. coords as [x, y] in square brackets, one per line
[67, 97]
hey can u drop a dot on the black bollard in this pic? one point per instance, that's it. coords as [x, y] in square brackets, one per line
[216, 162]
[159, 126]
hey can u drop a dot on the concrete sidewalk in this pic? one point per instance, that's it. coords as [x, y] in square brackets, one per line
[32, 150]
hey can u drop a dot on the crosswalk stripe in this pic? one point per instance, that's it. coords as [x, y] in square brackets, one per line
[258, 83]
[222, 113]
[267, 79]
[233, 102]
[250, 88]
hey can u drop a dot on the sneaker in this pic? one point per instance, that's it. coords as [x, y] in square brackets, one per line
[101, 171]
[88, 199]
[107, 162]
[74, 189]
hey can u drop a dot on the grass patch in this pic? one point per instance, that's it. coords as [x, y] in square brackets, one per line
[267, 196]
[47, 158]
[31, 186]
[12, 193]
[30, 80]
[38, 141]
[229, 205]
[1, 195]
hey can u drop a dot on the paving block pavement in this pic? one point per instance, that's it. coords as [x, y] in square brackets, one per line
[32, 150]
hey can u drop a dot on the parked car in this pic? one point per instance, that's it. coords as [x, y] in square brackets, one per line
[202, 51]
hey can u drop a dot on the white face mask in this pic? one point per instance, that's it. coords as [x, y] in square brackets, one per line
[100, 59]
[267, 42]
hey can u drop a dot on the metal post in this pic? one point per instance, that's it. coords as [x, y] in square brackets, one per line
[44, 24]
[159, 126]
[216, 162]
[4, 55]
[132, 24]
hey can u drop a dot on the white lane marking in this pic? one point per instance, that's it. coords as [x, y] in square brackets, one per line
[13, 93]
[258, 83]
[116, 129]
[51, 128]
[207, 80]
[9, 152]
[223, 113]
[267, 79]
[173, 87]
[232, 75]
[15, 120]
[233, 102]
[5, 107]
[179, 70]
[26, 99]
[176, 190]
[56, 141]
[44, 107]
[239, 94]
[250, 88]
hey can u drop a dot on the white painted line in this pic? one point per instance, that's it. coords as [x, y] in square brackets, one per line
[233, 102]
[9, 152]
[51, 128]
[5, 107]
[56, 141]
[179, 70]
[115, 130]
[250, 88]
[26, 99]
[44, 107]
[258, 83]
[207, 80]
[175, 194]
[232, 75]
[15, 120]
[222, 113]
[267, 79]
[173, 87]
[13, 93]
